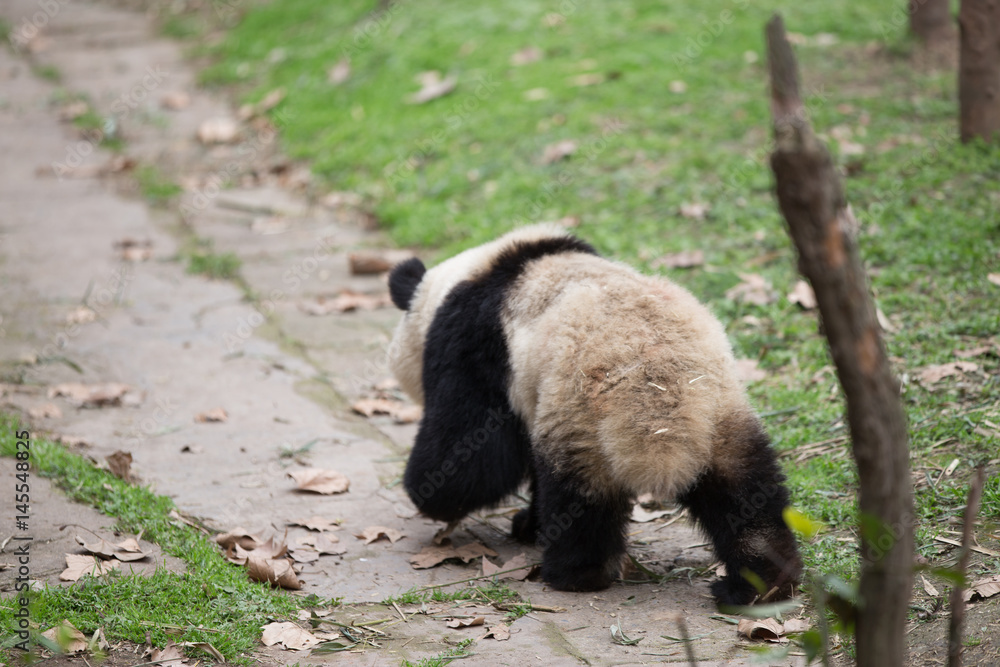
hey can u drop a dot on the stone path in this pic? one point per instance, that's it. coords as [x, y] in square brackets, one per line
[190, 344]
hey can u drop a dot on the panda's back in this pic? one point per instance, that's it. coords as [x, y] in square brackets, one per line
[619, 376]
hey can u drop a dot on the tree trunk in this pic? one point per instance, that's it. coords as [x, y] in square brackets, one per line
[812, 202]
[979, 70]
[930, 20]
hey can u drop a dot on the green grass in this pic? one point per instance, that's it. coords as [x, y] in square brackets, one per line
[492, 593]
[154, 186]
[48, 72]
[213, 601]
[202, 259]
[466, 167]
[461, 650]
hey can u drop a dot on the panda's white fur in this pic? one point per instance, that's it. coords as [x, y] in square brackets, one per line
[624, 384]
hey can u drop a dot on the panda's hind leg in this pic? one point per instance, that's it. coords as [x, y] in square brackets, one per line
[583, 537]
[741, 511]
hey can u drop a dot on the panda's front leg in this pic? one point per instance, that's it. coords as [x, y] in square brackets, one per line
[583, 537]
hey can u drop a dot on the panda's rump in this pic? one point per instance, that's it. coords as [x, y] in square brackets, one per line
[620, 378]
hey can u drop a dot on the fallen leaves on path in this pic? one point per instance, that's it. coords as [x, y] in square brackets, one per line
[120, 465]
[466, 622]
[133, 250]
[499, 632]
[433, 555]
[289, 635]
[126, 551]
[81, 315]
[274, 571]
[374, 533]
[324, 544]
[238, 536]
[367, 262]
[320, 480]
[402, 413]
[317, 523]
[45, 411]
[220, 130]
[169, 656]
[770, 629]
[78, 565]
[175, 101]
[346, 301]
[105, 394]
[519, 564]
[215, 415]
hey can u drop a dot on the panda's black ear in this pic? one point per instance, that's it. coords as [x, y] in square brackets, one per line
[403, 281]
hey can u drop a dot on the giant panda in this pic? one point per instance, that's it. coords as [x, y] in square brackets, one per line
[537, 359]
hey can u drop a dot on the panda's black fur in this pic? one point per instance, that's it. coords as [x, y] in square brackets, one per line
[474, 447]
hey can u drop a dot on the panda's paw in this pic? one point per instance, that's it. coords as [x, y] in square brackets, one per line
[733, 592]
[523, 527]
[577, 580]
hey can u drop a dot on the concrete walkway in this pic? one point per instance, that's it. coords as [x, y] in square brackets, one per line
[285, 378]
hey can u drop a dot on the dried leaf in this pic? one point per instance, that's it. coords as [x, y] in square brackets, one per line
[215, 415]
[92, 395]
[518, 561]
[69, 639]
[207, 648]
[767, 629]
[289, 635]
[747, 371]
[222, 130]
[315, 522]
[238, 536]
[803, 295]
[45, 411]
[78, 565]
[473, 550]
[303, 554]
[982, 589]
[175, 101]
[120, 465]
[618, 636]
[367, 262]
[932, 374]
[754, 289]
[432, 555]
[81, 315]
[373, 533]
[274, 571]
[974, 351]
[558, 151]
[642, 515]
[588, 79]
[499, 632]
[686, 259]
[340, 72]
[402, 413]
[929, 587]
[794, 625]
[433, 87]
[328, 545]
[318, 480]
[993, 278]
[677, 87]
[694, 210]
[466, 622]
[525, 56]
[132, 250]
[169, 656]
[346, 301]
